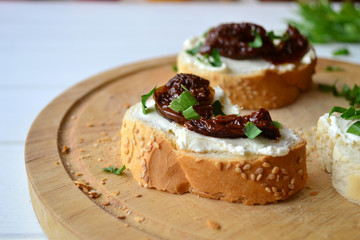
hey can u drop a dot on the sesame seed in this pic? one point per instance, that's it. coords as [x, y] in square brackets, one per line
[274, 189]
[149, 143]
[286, 177]
[238, 170]
[291, 186]
[284, 171]
[292, 181]
[266, 164]
[271, 176]
[133, 142]
[268, 189]
[247, 166]
[138, 156]
[146, 179]
[243, 175]
[300, 159]
[141, 138]
[136, 130]
[275, 170]
[277, 194]
[152, 137]
[252, 176]
[147, 149]
[228, 166]
[156, 145]
[259, 171]
[126, 151]
[144, 169]
[146, 185]
[218, 165]
[213, 225]
[142, 143]
[300, 172]
[283, 192]
[259, 177]
[238, 165]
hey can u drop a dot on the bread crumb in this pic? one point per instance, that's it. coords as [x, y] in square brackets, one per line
[126, 225]
[116, 193]
[212, 224]
[78, 174]
[138, 195]
[121, 217]
[139, 219]
[65, 150]
[105, 203]
[313, 193]
[89, 124]
[73, 118]
[81, 140]
[57, 163]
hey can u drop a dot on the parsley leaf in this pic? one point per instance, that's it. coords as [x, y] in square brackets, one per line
[273, 36]
[277, 124]
[174, 68]
[341, 51]
[194, 50]
[191, 114]
[257, 43]
[321, 23]
[337, 109]
[114, 170]
[216, 56]
[251, 131]
[348, 113]
[355, 128]
[217, 108]
[334, 68]
[144, 98]
[352, 95]
[183, 102]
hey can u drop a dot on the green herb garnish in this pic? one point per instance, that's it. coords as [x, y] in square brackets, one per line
[334, 68]
[352, 95]
[183, 102]
[251, 131]
[194, 50]
[349, 114]
[216, 56]
[174, 68]
[144, 98]
[277, 124]
[341, 51]
[257, 43]
[273, 36]
[217, 108]
[114, 170]
[191, 114]
[354, 129]
[321, 23]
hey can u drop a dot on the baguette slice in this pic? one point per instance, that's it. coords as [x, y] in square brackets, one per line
[271, 87]
[156, 160]
[339, 153]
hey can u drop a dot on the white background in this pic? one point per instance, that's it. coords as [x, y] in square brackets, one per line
[46, 48]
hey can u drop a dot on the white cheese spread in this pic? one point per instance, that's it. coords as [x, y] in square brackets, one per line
[242, 67]
[192, 141]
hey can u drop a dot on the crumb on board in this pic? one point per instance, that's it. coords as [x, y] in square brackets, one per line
[78, 174]
[125, 105]
[313, 193]
[139, 219]
[65, 149]
[212, 224]
[138, 195]
[105, 203]
[73, 117]
[121, 217]
[89, 124]
[81, 140]
[57, 163]
[86, 188]
[126, 225]
[116, 192]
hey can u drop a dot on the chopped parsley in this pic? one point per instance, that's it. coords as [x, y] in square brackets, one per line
[217, 108]
[144, 98]
[349, 114]
[277, 124]
[251, 131]
[184, 103]
[114, 170]
[341, 51]
[257, 43]
[350, 94]
[194, 50]
[334, 68]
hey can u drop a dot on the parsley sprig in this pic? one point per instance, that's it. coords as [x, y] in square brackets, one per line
[184, 103]
[350, 94]
[349, 114]
[321, 23]
[257, 42]
[144, 98]
[114, 170]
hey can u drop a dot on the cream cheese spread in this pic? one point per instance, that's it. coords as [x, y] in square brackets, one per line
[236, 67]
[338, 126]
[192, 141]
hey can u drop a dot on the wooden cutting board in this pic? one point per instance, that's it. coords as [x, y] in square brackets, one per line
[87, 119]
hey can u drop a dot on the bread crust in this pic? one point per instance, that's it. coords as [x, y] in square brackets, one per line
[155, 162]
[268, 89]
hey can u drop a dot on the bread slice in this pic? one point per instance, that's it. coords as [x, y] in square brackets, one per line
[172, 159]
[253, 83]
[339, 153]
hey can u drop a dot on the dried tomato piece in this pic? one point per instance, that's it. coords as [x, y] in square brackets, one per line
[232, 41]
[232, 126]
[199, 88]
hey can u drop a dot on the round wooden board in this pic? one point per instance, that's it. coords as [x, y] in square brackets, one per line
[87, 118]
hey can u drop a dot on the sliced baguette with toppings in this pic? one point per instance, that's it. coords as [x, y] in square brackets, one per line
[167, 156]
[339, 153]
[251, 82]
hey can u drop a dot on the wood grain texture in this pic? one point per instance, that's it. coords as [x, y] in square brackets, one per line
[87, 118]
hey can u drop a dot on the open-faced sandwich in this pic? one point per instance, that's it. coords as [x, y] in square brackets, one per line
[191, 139]
[338, 145]
[254, 67]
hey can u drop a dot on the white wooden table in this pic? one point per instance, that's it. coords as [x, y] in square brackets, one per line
[45, 48]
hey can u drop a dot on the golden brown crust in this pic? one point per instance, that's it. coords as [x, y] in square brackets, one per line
[268, 89]
[155, 162]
